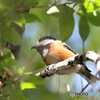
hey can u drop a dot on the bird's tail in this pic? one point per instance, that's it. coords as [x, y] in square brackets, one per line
[88, 76]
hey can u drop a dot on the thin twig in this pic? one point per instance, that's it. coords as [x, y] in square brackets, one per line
[87, 85]
[84, 88]
[50, 5]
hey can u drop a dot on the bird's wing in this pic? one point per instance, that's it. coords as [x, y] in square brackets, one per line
[68, 47]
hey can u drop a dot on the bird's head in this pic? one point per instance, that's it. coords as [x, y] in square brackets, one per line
[42, 45]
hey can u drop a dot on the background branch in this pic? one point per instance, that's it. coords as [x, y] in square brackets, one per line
[50, 5]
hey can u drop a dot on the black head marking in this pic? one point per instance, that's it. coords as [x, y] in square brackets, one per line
[46, 37]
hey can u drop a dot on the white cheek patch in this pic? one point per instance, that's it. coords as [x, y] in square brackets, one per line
[45, 51]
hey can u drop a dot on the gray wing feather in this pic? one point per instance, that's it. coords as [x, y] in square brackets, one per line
[69, 47]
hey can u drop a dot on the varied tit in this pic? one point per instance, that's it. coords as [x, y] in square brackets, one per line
[54, 51]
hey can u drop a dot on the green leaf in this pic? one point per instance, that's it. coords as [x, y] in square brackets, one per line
[97, 2]
[26, 85]
[10, 35]
[34, 79]
[7, 61]
[53, 11]
[21, 70]
[94, 18]
[2, 42]
[21, 19]
[10, 3]
[1, 69]
[77, 2]
[29, 3]
[14, 91]
[7, 3]
[83, 28]
[6, 54]
[29, 18]
[66, 22]
[89, 6]
[82, 9]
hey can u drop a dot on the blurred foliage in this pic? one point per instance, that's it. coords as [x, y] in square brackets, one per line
[66, 20]
[56, 18]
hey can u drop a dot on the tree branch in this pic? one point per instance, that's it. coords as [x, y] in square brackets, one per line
[77, 59]
[50, 5]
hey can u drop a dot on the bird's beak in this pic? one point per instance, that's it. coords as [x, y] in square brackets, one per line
[33, 47]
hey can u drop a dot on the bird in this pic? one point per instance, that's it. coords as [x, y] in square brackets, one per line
[53, 51]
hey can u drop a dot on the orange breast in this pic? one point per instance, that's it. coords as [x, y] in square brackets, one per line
[59, 53]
